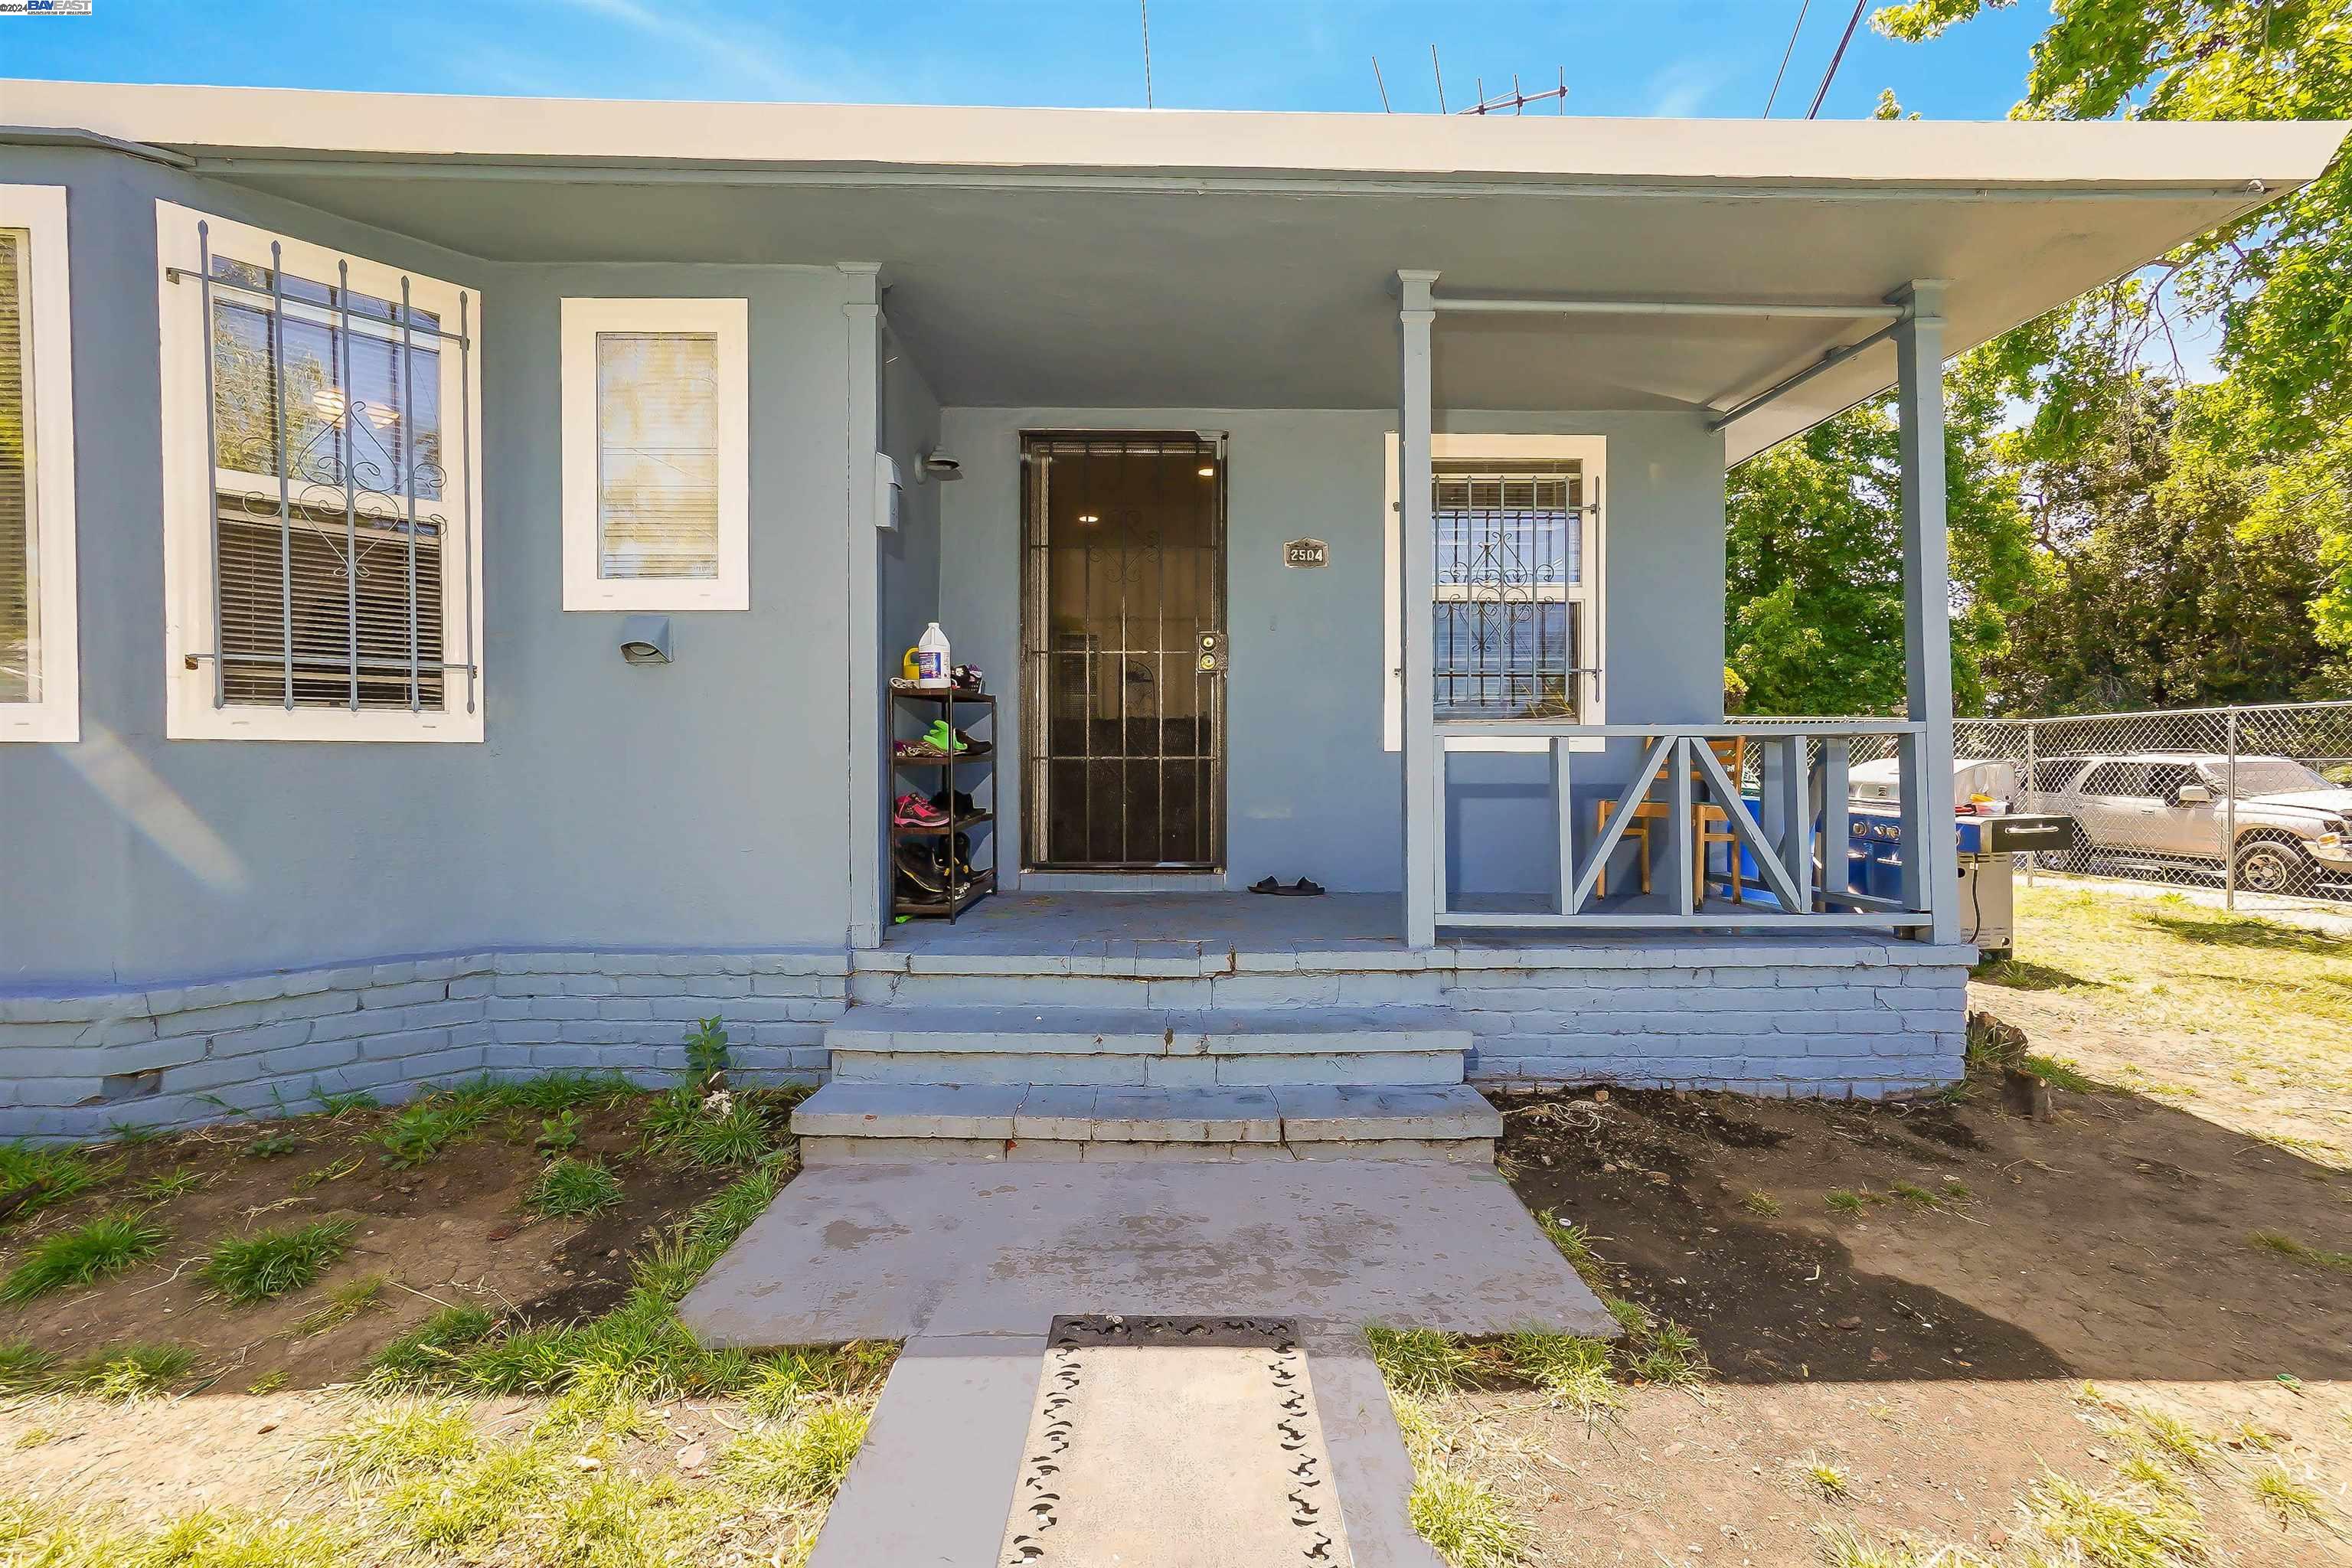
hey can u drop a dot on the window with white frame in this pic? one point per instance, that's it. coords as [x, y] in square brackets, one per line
[656, 455]
[322, 549]
[39, 697]
[1515, 624]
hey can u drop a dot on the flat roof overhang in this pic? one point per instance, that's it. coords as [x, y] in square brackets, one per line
[1121, 258]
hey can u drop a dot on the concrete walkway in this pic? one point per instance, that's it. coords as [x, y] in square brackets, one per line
[958, 1247]
[972, 1263]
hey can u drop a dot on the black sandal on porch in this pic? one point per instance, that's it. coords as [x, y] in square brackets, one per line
[1301, 888]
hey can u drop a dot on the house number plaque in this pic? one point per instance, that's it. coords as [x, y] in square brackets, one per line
[1308, 552]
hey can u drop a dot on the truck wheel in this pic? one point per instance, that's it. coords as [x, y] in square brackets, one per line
[2273, 866]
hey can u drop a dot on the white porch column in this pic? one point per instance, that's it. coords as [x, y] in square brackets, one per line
[1930, 858]
[870, 868]
[1417, 546]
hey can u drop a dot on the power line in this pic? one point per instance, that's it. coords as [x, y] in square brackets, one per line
[1382, 85]
[1802, 6]
[1439, 73]
[1146, 5]
[1846, 38]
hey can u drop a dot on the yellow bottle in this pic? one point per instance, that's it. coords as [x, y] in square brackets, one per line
[908, 669]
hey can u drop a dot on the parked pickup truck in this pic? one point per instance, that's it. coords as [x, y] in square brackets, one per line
[2173, 806]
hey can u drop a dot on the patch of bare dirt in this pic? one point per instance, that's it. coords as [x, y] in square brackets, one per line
[1931, 1346]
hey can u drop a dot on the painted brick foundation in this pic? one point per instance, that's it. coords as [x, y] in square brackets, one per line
[1863, 1019]
[165, 1056]
[1858, 1025]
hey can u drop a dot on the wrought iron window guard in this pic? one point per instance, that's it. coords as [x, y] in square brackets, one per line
[398, 494]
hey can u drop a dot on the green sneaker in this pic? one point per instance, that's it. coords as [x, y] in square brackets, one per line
[941, 737]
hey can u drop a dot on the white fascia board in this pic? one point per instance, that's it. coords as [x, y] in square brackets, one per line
[1444, 148]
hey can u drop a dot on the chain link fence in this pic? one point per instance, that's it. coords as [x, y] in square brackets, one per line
[2248, 804]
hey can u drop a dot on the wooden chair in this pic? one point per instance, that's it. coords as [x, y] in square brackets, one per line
[1710, 823]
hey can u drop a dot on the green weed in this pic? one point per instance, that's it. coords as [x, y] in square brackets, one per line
[559, 1134]
[399, 1439]
[2060, 1073]
[1763, 1204]
[1462, 1521]
[418, 1131]
[272, 1262]
[1826, 1476]
[2289, 1500]
[1573, 1372]
[1420, 1360]
[34, 1177]
[569, 1187]
[706, 1053]
[2301, 1252]
[88, 1253]
[2132, 1529]
[124, 1373]
[165, 1185]
[344, 1300]
[801, 1460]
[432, 1349]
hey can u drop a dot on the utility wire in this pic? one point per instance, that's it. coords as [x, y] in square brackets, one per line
[1802, 6]
[1146, 5]
[1439, 71]
[1824, 91]
[1383, 86]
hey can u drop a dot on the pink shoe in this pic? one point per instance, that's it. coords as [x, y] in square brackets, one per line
[914, 811]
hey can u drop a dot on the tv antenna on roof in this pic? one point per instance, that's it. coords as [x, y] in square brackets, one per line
[1515, 100]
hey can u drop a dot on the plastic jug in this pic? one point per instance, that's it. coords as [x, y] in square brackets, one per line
[931, 665]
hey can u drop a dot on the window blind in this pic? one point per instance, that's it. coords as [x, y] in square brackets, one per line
[657, 454]
[19, 599]
[326, 432]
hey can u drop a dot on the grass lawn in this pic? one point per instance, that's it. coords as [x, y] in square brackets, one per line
[2248, 1020]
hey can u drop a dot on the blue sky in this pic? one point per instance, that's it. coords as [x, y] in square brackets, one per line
[1623, 57]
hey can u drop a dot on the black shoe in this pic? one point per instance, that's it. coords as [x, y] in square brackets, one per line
[918, 867]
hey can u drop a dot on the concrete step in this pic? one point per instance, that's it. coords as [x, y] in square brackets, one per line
[1051, 1030]
[1119, 1069]
[1035, 983]
[851, 1121]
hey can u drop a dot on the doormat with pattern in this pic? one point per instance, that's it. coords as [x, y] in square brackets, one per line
[1174, 1443]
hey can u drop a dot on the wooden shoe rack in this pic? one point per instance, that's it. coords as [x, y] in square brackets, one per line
[947, 775]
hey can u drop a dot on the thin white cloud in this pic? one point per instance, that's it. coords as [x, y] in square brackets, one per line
[1681, 89]
[730, 55]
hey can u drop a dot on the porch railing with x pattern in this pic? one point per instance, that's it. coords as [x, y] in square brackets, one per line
[1784, 826]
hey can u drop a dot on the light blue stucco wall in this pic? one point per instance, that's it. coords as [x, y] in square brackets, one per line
[703, 805]
[699, 804]
[1311, 791]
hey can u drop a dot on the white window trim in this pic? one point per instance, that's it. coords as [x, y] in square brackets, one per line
[730, 320]
[40, 211]
[1593, 452]
[189, 481]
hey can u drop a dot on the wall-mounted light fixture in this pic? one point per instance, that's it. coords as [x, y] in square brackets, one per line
[938, 465]
[645, 640]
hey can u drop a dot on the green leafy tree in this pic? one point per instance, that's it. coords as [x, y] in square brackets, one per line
[2166, 575]
[1814, 594]
[2277, 283]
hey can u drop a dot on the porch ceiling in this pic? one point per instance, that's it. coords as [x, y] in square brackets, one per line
[1089, 257]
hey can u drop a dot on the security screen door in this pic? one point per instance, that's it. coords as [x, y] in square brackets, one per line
[1123, 643]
